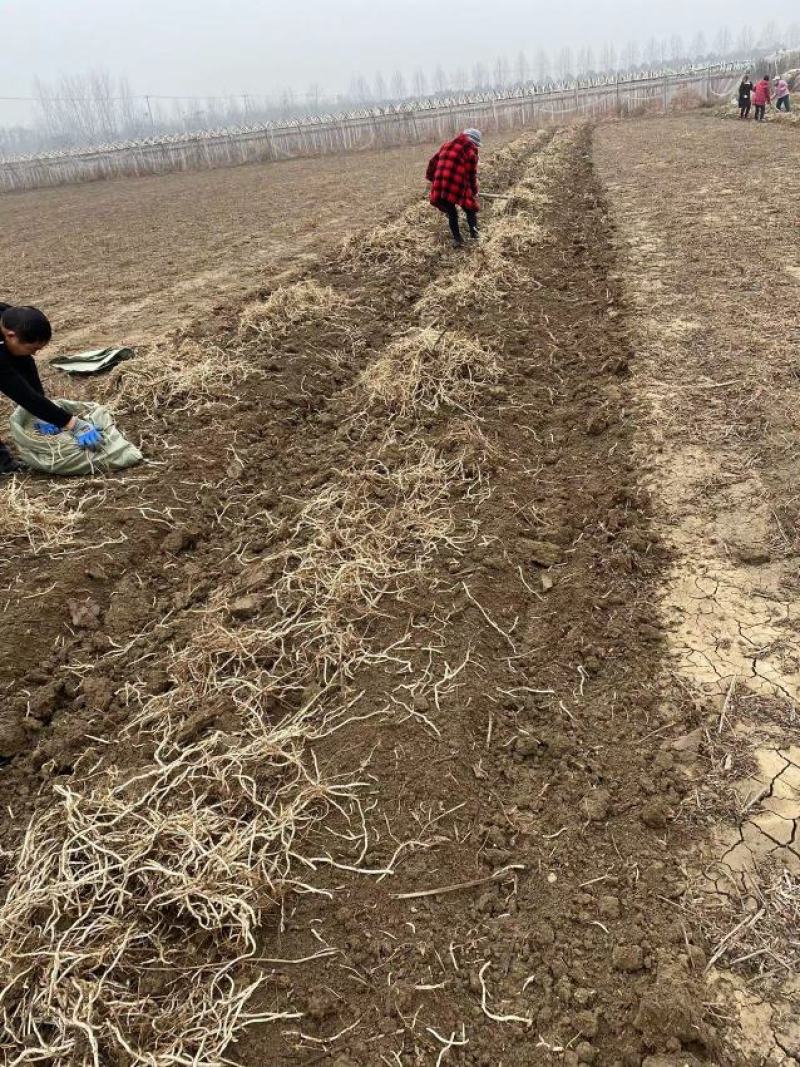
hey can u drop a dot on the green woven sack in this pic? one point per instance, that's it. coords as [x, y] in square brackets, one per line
[61, 455]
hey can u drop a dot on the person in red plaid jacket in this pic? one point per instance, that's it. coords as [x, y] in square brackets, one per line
[453, 174]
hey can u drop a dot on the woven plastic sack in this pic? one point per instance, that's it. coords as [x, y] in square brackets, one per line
[61, 455]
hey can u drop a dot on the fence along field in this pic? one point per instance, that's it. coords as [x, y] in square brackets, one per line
[420, 122]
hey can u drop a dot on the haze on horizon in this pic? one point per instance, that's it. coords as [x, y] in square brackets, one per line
[203, 48]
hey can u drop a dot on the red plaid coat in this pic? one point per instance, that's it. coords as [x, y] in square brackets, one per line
[453, 173]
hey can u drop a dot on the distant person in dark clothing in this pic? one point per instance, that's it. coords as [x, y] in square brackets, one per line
[761, 97]
[24, 331]
[745, 97]
[453, 174]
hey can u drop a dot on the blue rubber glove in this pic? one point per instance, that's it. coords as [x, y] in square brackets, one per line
[47, 429]
[86, 435]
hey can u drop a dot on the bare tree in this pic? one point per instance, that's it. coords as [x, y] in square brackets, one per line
[542, 66]
[379, 88]
[359, 89]
[399, 91]
[439, 79]
[723, 42]
[85, 109]
[698, 49]
[501, 72]
[651, 52]
[289, 98]
[521, 69]
[744, 42]
[770, 38]
[480, 76]
[676, 51]
[564, 64]
[630, 55]
[458, 79]
[420, 82]
[127, 110]
[101, 93]
[608, 58]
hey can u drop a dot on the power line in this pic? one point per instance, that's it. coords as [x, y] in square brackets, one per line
[132, 96]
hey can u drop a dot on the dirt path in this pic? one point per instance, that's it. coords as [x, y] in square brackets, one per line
[710, 262]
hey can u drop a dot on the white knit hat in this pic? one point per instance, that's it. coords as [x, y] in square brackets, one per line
[474, 135]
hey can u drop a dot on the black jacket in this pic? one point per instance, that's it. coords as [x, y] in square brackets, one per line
[20, 382]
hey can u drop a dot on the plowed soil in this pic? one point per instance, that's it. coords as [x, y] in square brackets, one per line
[512, 884]
[127, 261]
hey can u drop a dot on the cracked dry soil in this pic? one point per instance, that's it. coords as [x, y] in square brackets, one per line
[627, 584]
[711, 273]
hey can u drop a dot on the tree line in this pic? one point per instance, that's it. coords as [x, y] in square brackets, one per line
[81, 110]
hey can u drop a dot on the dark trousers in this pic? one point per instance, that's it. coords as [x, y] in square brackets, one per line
[744, 109]
[452, 217]
[760, 109]
[782, 103]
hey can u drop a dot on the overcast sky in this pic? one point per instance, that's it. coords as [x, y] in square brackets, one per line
[210, 47]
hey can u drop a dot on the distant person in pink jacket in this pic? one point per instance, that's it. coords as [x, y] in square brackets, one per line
[782, 95]
[761, 97]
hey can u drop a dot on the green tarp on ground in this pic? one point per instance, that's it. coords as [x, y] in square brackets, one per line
[92, 362]
[61, 455]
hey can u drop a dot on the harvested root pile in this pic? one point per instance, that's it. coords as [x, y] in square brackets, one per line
[465, 438]
[415, 238]
[193, 373]
[126, 932]
[525, 197]
[364, 538]
[516, 235]
[483, 281]
[428, 368]
[502, 167]
[372, 536]
[545, 171]
[407, 243]
[289, 307]
[504, 257]
[122, 888]
[37, 520]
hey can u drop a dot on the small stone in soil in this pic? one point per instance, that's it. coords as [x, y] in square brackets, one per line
[542, 553]
[85, 615]
[178, 541]
[628, 958]
[596, 805]
[752, 555]
[654, 815]
[245, 607]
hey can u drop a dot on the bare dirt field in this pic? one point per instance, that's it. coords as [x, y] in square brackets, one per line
[711, 263]
[429, 696]
[127, 261]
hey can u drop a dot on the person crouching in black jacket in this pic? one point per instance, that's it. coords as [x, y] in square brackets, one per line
[24, 331]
